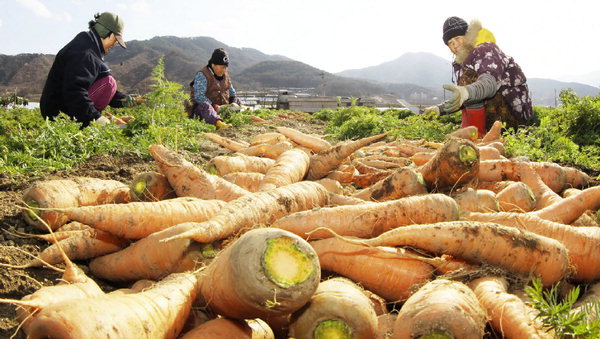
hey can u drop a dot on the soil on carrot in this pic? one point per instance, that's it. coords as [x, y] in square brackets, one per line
[15, 283]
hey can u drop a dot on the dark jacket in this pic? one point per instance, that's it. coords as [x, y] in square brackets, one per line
[76, 67]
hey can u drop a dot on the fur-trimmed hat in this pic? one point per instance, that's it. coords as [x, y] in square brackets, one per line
[453, 27]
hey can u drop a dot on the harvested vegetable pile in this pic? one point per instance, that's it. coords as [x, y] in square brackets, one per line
[283, 233]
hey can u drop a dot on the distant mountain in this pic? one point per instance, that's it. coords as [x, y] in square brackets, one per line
[423, 69]
[414, 77]
[544, 92]
[591, 78]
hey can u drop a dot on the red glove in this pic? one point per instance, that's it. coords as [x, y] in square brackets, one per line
[216, 107]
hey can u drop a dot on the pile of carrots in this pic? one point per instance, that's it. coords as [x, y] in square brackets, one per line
[290, 236]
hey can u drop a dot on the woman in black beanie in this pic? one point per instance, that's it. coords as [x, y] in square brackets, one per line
[490, 85]
[212, 88]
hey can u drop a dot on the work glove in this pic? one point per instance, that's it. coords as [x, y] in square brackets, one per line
[460, 94]
[220, 124]
[132, 100]
[432, 109]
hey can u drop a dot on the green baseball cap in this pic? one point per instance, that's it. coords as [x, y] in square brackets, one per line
[113, 23]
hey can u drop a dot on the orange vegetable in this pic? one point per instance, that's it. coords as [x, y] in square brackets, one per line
[338, 309]
[454, 164]
[516, 197]
[509, 315]
[581, 242]
[139, 219]
[326, 161]
[368, 220]
[401, 183]
[69, 193]
[229, 328]
[261, 208]
[151, 186]
[225, 142]
[265, 273]
[316, 144]
[189, 180]
[240, 163]
[246, 180]
[381, 270]
[514, 249]
[290, 167]
[441, 309]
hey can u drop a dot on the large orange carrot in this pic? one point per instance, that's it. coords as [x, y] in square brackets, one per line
[267, 138]
[368, 220]
[513, 249]
[316, 144]
[326, 161]
[381, 270]
[139, 219]
[479, 200]
[81, 246]
[581, 242]
[441, 309]
[267, 150]
[157, 312]
[569, 209]
[149, 258]
[189, 180]
[509, 315]
[409, 148]
[151, 186]
[469, 132]
[369, 179]
[246, 180]
[290, 167]
[240, 163]
[261, 208]
[516, 197]
[401, 183]
[265, 273]
[489, 153]
[552, 174]
[544, 196]
[494, 133]
[338, 309]
[454, 164]
[225, 142]
[69, 193]
[576, 178]
[229, 328]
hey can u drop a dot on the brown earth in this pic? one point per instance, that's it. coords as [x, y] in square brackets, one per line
[15, 283]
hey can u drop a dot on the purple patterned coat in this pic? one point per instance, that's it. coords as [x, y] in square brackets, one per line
[487, 57]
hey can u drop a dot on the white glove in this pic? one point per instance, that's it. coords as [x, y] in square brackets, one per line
[459, 96]
[432, 109]
[103, 120]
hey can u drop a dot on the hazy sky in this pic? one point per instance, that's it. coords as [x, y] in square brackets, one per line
[549, 39]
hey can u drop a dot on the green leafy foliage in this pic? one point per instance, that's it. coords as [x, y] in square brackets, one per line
[566, 134]
[558, 315]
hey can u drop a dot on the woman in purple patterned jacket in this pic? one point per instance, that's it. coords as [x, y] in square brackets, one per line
[490, 85]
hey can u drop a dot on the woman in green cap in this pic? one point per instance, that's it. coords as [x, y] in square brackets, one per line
[80, 83]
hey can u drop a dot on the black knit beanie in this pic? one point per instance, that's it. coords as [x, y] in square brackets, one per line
[453, 27]
[219, 57]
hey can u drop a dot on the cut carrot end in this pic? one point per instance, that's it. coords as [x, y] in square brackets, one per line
[33, 213]
[437, 334]
[139, 186]
[332, 328]
[285, 264]
[208, 250]
[213, 170]
[467, 154]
